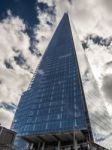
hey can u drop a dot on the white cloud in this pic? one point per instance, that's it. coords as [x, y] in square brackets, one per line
[6, 118]
[89, 16]
[13, 83]
[44, 31]
[14, 42]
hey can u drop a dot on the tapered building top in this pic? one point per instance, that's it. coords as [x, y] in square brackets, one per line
[56, 102]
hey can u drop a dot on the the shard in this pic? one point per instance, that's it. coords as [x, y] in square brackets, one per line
[63, 108]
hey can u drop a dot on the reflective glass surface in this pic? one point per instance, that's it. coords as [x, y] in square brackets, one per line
[100, 120]
[55, 101]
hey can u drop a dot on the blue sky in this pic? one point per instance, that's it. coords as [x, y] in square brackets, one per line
[26, 26]
[23, 8]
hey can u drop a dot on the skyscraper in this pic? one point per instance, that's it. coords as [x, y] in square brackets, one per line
[62, 107]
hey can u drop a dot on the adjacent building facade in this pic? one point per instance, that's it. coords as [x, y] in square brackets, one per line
[62, 107]
[7, 138]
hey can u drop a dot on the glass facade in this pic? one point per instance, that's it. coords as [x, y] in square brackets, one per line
[54, 102]
[63, 95]
[100, 120]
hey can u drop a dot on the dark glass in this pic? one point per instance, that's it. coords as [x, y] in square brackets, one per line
[54, 102]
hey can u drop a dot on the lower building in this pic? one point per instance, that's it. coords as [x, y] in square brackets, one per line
[7, 138]
[63, 141]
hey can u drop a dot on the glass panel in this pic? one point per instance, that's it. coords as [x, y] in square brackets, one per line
[54, 100]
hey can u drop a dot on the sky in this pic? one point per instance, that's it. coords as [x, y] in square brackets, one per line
[26, 27]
